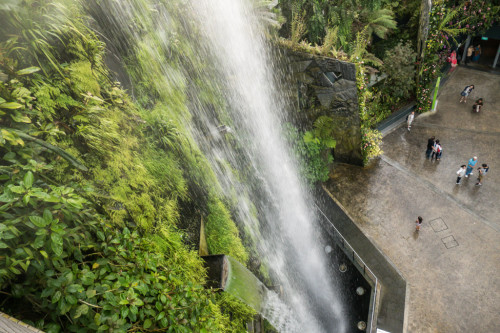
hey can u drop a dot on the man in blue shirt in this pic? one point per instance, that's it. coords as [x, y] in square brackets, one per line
[470, 166]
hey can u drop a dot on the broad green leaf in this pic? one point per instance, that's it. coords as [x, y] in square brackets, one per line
[17, 189]
[124, 312]
[39, 221]
[56, 297]
[28, 179]
[47, 215]
[90, 293]
[147, 323]
[47, 292]
[74, 288]
[28, 70]
[44, 254]
[9, 156]
[26, 199]
[2, 100]
[10, 105]
[3, 245]
[20, 118]
[14, 270]
[57, 243]
[81, 310]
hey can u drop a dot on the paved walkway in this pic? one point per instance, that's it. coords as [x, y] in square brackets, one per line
[452, 266]
[9, 324]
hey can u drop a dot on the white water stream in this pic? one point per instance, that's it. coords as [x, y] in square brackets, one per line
[234, 47]
[237, 41]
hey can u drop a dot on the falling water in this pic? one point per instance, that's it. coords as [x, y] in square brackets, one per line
[234, 49]
[238, 42]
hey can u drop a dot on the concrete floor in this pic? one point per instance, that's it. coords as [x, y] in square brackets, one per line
[452, 266]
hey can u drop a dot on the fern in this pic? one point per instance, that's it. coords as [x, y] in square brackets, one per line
[299, 27]
[82, 78]
[330, 42]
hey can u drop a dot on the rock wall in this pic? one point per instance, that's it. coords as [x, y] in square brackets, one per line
[327, 87]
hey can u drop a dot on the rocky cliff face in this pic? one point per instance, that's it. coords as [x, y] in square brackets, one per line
[327, 87]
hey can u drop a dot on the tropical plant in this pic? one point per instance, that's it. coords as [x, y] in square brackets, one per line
[299, 28]
[399, 65]
[379, 22]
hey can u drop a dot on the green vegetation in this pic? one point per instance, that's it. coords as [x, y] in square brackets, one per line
[447, 22]
[313, 149]
[222, 234]
[93, 185]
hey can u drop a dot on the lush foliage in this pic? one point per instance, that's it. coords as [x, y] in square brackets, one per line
[320, 20]
[93, 185]
[313, 150]
[222, 234]
[447, 21]
[60, 257]
[370, 138]
[399, 65]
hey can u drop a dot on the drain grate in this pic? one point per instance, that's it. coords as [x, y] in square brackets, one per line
[438, 225]
[449, 242]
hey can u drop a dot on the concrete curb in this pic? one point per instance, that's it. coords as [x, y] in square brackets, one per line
[392, 314]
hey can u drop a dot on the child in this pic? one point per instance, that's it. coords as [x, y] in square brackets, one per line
[478, 105]
[461, 173]
[465, 93]
[419, 222]
[483, 170]
[437, 150]
[409, 119]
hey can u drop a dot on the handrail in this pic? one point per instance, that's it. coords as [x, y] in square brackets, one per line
[361, 263]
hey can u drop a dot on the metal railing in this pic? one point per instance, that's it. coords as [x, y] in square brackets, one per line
[357, 261]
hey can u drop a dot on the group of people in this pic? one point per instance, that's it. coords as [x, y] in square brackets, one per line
[466, 171]
[478, 105]
[434, 149]
[473, 53]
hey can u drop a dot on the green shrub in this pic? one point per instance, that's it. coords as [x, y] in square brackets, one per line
[312, 152]
[370, 143]
[82, 275]
[399, 65]
[99, 249]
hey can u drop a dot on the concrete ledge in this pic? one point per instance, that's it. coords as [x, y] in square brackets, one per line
[10, 324]
[391, 307]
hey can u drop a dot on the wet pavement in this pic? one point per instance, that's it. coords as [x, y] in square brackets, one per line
[452, 266]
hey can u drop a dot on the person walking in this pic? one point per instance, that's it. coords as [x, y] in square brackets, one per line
[477, 53]
[430, 145]
[437, 150]
[409, 119]
[470, 51]
[483, 170]
[461, 173]
[418, 222]
[470, 166]
[465, 93]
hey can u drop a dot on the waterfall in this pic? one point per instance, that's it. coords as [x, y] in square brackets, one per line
[237, 42]
[230, 48]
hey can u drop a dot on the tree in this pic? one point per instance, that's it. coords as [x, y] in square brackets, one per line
[399, 65]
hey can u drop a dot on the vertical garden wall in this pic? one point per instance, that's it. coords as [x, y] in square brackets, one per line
[101, 194]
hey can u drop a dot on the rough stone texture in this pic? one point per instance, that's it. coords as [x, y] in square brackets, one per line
[327, 86]
[452, 264]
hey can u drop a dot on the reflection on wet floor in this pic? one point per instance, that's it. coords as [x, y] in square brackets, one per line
[447, 268]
